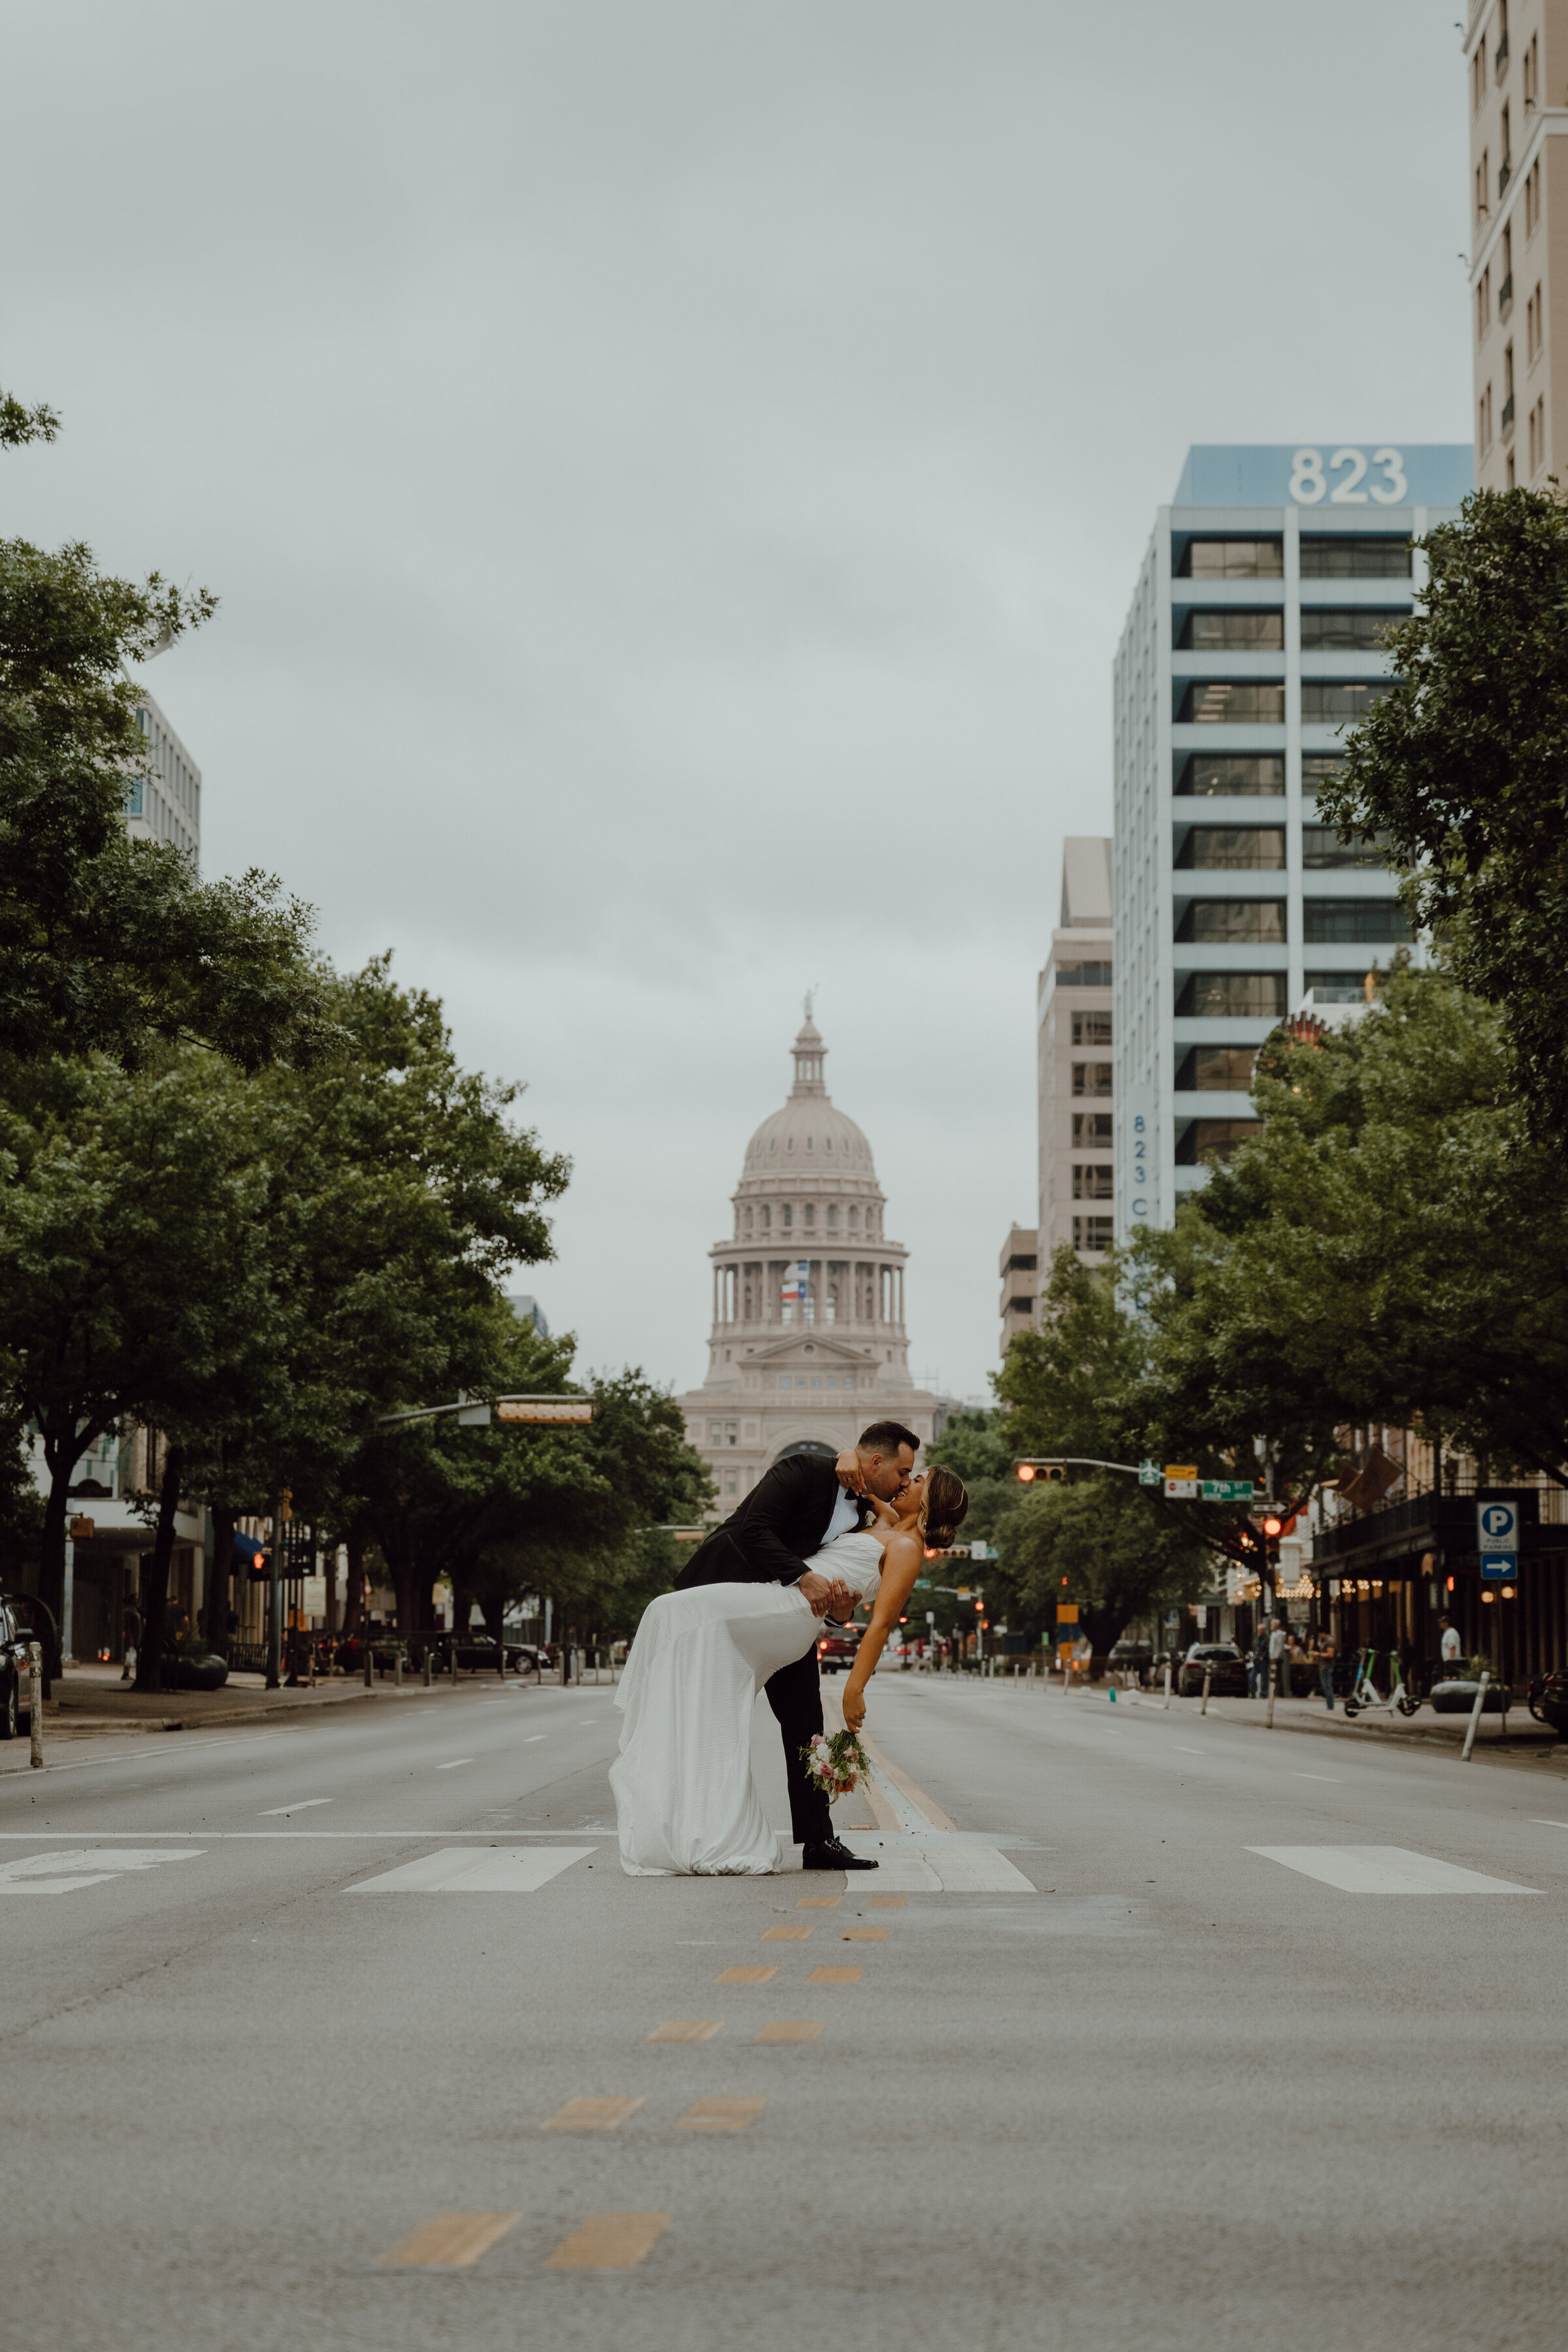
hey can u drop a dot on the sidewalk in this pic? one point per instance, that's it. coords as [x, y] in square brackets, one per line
[1515, 1737]
[90, 1700]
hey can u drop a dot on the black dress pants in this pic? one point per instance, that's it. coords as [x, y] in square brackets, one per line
[795, 1694]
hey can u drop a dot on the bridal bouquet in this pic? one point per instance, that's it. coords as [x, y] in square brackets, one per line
[837, 1764]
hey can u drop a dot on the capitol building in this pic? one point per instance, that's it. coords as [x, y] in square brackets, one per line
[808, 1342]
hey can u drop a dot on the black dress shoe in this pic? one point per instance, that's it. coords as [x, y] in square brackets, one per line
[834, 1855]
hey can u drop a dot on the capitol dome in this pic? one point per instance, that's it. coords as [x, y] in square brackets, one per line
[808, 1342]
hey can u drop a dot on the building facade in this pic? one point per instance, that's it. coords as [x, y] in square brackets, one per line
[1074, 1060]
[1018, 1265]
[808, 1342]
[1254, 640]
[164, 801]
[1516, 63]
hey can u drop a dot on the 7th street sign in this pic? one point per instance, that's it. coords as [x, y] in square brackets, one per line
[1227, 1490]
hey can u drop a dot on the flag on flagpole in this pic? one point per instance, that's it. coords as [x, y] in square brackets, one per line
[795, 1279]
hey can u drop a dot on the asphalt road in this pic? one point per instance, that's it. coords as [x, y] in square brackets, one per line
[1184, 2034]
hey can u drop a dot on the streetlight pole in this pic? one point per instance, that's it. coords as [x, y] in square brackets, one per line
[275, 1601]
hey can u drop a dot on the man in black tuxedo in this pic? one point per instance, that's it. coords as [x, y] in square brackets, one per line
[795, 1508]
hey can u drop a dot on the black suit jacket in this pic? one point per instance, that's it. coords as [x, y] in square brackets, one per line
[779, 1525]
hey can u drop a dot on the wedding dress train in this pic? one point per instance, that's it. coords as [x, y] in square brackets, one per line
[685, 1798]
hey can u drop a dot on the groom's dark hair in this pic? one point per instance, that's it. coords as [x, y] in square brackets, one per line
[887, 1437]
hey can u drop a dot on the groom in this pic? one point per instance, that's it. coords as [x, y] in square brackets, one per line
[798, 1505]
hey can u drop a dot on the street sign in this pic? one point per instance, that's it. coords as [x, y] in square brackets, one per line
[1148, 1474]
[1184, 1489]
[543, 1411]
[1181, 1469]
[1227, 1490]
[1066, 1613]
[1496, 1540]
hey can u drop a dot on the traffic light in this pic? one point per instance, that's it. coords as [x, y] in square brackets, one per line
[1029, 1471]
[1025, 1471]
[1273, 1528]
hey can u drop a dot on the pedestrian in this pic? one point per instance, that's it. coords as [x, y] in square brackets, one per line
[130, 1628]
[1449, 1646]
[1258, 1666]
[1325, 1662]
[1279, 1658]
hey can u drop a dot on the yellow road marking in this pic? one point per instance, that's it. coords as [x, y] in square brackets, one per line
[864, 1936]
[886, 1902]
[790, 1934]
[721, 2115]
[820, 1902]
[744, 1976]
[906, 1787]
[591, 2114]
[609, 2242]
[791, 2029]
[835, 1976]
[687, 2028]
[450, 2241]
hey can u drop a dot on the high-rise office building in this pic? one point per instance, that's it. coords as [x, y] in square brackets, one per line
[163, 803]
[1073, 1059]
[1254, 640]
[1516, 54]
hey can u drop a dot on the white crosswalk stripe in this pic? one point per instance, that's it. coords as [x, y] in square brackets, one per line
[493, 1870]
[1386, 1870]
[64, 1873]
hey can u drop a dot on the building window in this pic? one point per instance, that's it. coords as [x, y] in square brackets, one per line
[1320, 768]
[1354, 920]
[1232, 996]
[1246, 921]
[1090, 1132]
[1219, 1138]
[1532, 327]
[1478, 77]
[1532, 202]
[1083, 975]
[1483, 181]
[1090, 1028]
[1219, 702]
[811, 1212]
[1091, 1078]
[1093, 1234]
[133, 791]
[786, 1216]
[1505, 262]
[767, 1220]
[1383, 558]
[1505, 161]
[1361, 629]
[1323, 849]
[1533, 74]
[1232, 559]
[1484, 421]
[854, 1218]
[749, 1216]
[724, 1432]
[1092, 1179]
[1215, 1069]
[832, 1215]
[1235, 631]
[1337, 987]
[1233, 775]
[1254, 848]
[1326, 701]
[1483, 303]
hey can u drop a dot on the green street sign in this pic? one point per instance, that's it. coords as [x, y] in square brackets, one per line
[1151, 1475]
[1227, 1490]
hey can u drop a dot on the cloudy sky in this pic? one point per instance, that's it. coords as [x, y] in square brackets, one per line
[674, 471]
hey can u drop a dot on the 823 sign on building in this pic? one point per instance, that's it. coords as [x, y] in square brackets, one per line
[1340, 477]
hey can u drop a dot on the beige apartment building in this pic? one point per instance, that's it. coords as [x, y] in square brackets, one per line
[1074, 1062]
[1516, 56]
[1018, 1265]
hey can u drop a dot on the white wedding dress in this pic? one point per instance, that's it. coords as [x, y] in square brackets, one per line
[685, 1799]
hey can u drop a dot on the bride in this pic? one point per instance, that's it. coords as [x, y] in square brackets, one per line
[685, 1799]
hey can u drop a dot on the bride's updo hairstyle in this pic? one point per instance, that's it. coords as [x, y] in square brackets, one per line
[944, 1501]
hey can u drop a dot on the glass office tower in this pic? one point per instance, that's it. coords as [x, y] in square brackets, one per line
[1254, 640]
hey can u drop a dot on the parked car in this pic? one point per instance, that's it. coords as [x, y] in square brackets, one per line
[1132, 1657]
[15, 1663]
[835, 1652]
[1228, 1668]
[1549, 1701]
[479, 1653]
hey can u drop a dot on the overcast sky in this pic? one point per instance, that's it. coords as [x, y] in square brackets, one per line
[675, 475]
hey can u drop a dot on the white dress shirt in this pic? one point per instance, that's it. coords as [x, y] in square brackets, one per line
[846, 1511]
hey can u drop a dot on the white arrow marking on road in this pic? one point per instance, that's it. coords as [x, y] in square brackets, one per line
[62, 1873]
[1386, 1870]
[458, 1870]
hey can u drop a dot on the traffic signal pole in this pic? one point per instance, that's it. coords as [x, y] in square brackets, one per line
[275, 1601]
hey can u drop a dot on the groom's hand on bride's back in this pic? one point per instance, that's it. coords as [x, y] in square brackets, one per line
[828, 1599]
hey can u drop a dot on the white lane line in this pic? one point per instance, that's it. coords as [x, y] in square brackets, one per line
[166, 1755]
[295, 1837]
[454, 1764]
[1193, 1751]
[534, 1736]
[63, 1874]
[501, 1870]
[1386, 1870]
[1332, 1778]
[303, 1806]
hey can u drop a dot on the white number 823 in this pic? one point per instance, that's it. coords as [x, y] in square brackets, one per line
[1309, 482]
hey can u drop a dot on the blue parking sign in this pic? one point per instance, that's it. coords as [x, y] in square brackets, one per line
[1496, 1540]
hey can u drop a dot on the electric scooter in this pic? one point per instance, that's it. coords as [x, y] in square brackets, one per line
[1367, 1699]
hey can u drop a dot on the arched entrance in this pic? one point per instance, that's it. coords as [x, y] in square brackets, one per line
[812, 1446]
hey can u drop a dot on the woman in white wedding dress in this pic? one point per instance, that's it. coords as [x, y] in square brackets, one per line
[685, 1798]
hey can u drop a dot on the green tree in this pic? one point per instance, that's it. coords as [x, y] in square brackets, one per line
[1095, 1541]
[106, 943]
[1461, 772]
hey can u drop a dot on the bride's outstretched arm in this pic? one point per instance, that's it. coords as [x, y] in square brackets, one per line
[900, 1564]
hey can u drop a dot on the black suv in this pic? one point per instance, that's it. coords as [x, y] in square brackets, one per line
[16, 1663]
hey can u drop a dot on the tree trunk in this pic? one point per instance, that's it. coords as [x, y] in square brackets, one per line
[59, 1457]
[156, 1587]
[354, 1597]
[224, 1522]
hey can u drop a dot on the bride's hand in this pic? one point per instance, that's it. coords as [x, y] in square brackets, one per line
[854, 1705]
